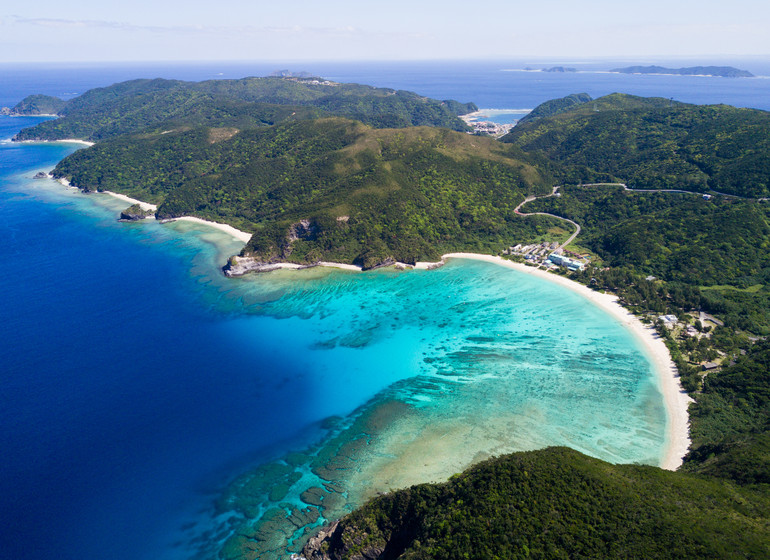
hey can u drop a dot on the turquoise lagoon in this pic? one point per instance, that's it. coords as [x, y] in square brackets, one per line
[146, 391]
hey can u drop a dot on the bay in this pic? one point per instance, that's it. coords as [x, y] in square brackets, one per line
[139, 386]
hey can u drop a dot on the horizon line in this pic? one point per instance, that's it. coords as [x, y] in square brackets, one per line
[585, 59]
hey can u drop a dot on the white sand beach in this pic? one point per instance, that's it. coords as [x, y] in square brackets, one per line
[70, 140]
[340, 265]
[124, 198]
[76, 141]
[675, 398]
[238, 234]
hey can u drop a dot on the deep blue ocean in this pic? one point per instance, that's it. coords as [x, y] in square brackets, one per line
[136, 381]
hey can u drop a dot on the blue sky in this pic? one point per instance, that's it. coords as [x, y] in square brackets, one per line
[88, 30]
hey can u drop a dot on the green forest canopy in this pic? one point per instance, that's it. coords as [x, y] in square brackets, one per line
[369, 194]
[655, 143]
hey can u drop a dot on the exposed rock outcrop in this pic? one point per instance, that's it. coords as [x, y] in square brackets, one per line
[304, 229]
[335, 542]
[134, 213]
[238, 266]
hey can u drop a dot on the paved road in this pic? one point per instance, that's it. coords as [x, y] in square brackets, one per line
[626, 187]
[553, 193]
[518, 211]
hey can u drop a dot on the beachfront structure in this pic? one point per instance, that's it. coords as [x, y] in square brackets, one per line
[669, 320]
[561, 260]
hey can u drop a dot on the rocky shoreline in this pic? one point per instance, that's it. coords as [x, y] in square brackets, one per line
[240, 266]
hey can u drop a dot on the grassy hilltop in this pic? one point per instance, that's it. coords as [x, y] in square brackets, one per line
[365, 194]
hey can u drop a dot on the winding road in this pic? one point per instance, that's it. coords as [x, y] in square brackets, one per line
[553, 193]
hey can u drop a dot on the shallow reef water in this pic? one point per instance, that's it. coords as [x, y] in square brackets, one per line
[480, 361]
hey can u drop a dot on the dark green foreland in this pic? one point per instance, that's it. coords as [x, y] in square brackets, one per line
[140, 104]
[557, 503]
[34, 105]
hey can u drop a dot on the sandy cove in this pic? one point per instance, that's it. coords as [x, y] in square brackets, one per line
[69, 140]
[675, 398]
[230, 230]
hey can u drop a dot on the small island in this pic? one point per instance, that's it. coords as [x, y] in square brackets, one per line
[712, 71]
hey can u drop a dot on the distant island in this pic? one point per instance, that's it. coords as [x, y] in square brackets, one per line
[716, 71]
[556, 69]
[290, 74]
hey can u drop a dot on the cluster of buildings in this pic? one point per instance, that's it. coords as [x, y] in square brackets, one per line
[546, 254]
[314, 82]
[536, 251]
[490, 128]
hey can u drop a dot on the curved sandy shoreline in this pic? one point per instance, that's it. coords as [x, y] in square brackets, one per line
[675, 398]
[124, 198]
[235, 232]
[69, 140]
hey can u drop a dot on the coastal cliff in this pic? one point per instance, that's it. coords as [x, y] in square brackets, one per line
[134, 213]
[240, 266]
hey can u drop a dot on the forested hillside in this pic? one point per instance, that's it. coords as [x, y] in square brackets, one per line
[657, 144]
[357, 194]
[136, 105]
[38, 105]
[557, 503]
[555, 106]
[679, 237]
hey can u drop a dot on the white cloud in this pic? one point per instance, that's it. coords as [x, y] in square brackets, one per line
[229, 30]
